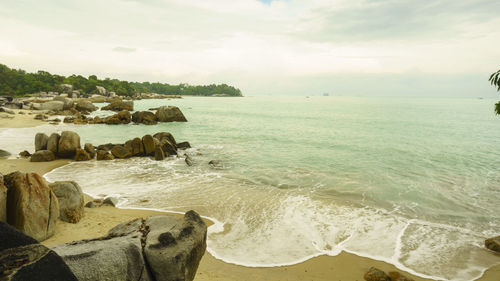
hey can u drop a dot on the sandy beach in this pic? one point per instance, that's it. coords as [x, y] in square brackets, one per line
[97, 221]
[20, 120]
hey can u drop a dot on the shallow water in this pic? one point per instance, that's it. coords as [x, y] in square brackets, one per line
[414, 182]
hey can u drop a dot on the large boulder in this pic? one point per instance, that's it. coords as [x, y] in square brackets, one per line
[170, 114]
[53, 142]
[493, 244]
[70, 197]
[167, 147]
[89, 148]
[85, 106]
[32, 207]
[165, 135]
[104, 155]
[22, 258]
[52, 105]
[69, 142]
[3, 200]
[43, 156]
[174, 246]
[120, 151]
[122, 117]
[41, 140]
[100, 90]
[67, 102]
[149, 144]
[81, 155]
[136, 147]
[119, 106]
[144, 117]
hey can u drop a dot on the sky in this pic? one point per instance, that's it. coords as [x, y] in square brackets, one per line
[264, 47]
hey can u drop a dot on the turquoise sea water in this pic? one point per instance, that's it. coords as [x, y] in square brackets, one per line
[411, 181]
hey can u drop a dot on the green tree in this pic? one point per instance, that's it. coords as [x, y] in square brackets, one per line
[495, 81]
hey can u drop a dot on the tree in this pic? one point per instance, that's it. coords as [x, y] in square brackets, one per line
[495, 81]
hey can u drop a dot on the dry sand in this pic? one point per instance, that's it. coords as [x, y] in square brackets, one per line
[97, 221]
[20, 120]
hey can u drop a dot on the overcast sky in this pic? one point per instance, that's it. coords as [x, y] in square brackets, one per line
[307, 47]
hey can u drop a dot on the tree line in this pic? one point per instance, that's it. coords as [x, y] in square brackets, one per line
[17, 82]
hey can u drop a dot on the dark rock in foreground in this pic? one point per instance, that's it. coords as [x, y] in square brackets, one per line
[43, 156]
[22, 258]
[158, 248]
[493, 244]
[375, 274]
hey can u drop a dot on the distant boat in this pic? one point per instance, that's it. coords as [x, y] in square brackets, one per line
[326, 94]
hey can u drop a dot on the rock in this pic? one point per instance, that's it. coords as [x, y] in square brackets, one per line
[69, 142]
[108, 258]
[66, 88]
[165, 135]
[43, 156]
[396, 276]
[170, 114]
[106, 146]
[40, 117]
[183, 145]
[7, 110]
[22, 258]
[374, 274]
[174, 246]
[41, 140]
[53, 142]
[85, 106]
[104, 155]
[3, 200]
[13, 105]
[149, 144]
[144, 117]
[24, 154]
[110, 201]
[136, 147]
[90, 205]
[81, 155]
[4, 154]
[188, 161]
[122, 117]
[121, 152]
[74, 94]
[493, 244]
[69, 119]
[100, 90]
[32, 207]
[52, 105]
[119, 106]
[70, 197]
[89, 148]
[67, 103]
[216, 164]
[167, 147]
[159, 155]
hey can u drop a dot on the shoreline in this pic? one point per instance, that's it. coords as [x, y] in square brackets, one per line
[97, 221]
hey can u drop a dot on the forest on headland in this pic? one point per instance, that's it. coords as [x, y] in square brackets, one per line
[17, 82]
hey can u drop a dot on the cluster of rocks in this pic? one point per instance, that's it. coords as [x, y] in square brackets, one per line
[31, 205]
[67, 146]
[375, 274]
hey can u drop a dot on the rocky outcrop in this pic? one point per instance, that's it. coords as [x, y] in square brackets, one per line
[85, 106]
[67, 102]
[52, 105]
[53, 142]
[3, 200]
[493, 244]
[122, 117]
[158, 248]
[144, 117]
[89, 148]
[41, 140]
[159, 154]
[43, 156]
[32, 207]
[170, 114]
[149, 144]
[104, 155]
[135, 146]
[81, 155]
[22, 258]
[120, 151]
[70, 197]
[165, 135]
[119, 106]
[69, 142]
[101, 90]
[183, 145]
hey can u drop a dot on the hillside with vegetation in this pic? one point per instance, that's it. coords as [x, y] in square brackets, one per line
[17, 82]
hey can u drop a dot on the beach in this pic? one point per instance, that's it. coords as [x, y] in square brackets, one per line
[97, 221]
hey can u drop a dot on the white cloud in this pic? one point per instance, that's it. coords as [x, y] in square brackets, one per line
[228, 41]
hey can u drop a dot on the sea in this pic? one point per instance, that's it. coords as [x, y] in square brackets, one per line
[414, 182]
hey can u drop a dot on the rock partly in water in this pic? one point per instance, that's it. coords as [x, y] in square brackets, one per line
[69, 142]
[493, 244]
[22, 258]
[136, 147]
[119, 106]
[81, 155]
[120, 151]
[216, 164]
[43, 156]
[144, 117]
[89, 148]
[104, 155]
[53, 142]
[41, 140]
[24, 154]
[112, 201]
[149, 144]
[122, 117]
[183, 145]
[375, 274]
[32, 207]
[70, 197]
[170, 114]
[85, 106]
[189, 160]
[165, 135]
[159, 154]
